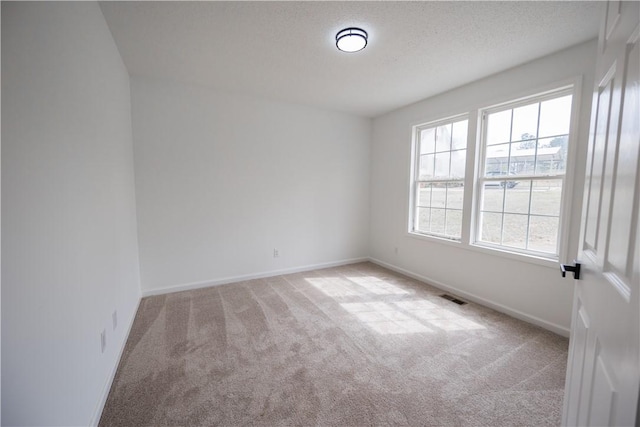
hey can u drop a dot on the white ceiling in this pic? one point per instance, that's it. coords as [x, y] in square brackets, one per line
[286, 50]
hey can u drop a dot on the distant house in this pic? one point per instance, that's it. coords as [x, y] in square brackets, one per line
[524, 160]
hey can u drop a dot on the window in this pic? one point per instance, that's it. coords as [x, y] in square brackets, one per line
[514, 200]
[524, 159]
[440, 152]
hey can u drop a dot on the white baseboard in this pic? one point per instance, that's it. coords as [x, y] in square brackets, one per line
[95, 419]
[560, 330]
[234, 279]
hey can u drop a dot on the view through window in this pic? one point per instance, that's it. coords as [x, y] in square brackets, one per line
[520, 162]
[439, 178]
[524, 165]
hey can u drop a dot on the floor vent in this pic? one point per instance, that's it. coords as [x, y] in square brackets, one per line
[453, 299]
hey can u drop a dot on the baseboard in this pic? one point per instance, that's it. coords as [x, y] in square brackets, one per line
[95, 419]
[560, 330]
[234, 279]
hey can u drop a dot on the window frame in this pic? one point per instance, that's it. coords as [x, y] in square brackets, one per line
[573, 86]
[415, 177]
[480, 179]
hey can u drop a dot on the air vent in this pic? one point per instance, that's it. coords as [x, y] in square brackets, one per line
[453, 299]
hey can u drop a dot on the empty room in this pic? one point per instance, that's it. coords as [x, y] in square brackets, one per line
[320, 213]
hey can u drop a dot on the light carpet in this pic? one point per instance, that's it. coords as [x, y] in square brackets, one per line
[348, 346]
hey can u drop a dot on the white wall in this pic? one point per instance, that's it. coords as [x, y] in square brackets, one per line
[222, 179]
[0, 240]
[69, 248]
[532, 291]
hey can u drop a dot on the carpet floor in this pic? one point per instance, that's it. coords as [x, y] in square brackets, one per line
[348, 346]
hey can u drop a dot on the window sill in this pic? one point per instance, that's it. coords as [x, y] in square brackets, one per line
[551, 262]
[498, 252]
[435, 239]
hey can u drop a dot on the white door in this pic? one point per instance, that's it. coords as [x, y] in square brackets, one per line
[603, 373]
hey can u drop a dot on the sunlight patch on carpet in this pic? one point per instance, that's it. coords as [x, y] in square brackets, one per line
[384, 318]
[334, 286]
[378, 286]
[437, 316]
[406, 317]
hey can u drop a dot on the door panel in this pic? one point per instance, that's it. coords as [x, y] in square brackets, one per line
[613, 16]
[626, 181]
[579, 341]
[598, 156]
[601, 396]
[603, 373]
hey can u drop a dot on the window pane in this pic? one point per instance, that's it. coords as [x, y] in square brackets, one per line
[497, 159]
[439, 195]
[455, 194]
[552, 156]
[523, 155]
[459, 139]
[491, 227]
[525, 122]
[517, 196]
[492, 197]
[437, 221]
[515, 231]
[443, 138]
[426, 166]
[439, 178]
[424, 195]
[545, 197]
[498, 127]
[422, 219]
[523, 162]
[427, 141]
[555, 116]
[442, 165]
[454, 223]
[543, 234]
[458, 163]
[527, 140]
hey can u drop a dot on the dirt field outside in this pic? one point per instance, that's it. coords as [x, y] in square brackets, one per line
[525, 216]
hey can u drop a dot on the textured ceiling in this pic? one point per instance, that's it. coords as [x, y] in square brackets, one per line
[286, 50]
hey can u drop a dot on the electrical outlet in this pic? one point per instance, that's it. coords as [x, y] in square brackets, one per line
[395, 250]
[276, 253]
[114, 317]
[103, 340]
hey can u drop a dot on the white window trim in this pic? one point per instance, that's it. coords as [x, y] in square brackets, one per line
[480, 179]
[471, 193]
[415, 160]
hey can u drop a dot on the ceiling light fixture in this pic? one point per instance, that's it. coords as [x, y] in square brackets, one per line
[351, 39]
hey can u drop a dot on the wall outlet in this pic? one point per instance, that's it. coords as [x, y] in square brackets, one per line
[103, 340]
[395, 250]
[276, 253]
[114, 317]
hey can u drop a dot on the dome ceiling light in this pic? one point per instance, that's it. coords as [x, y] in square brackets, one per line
[351, 39]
